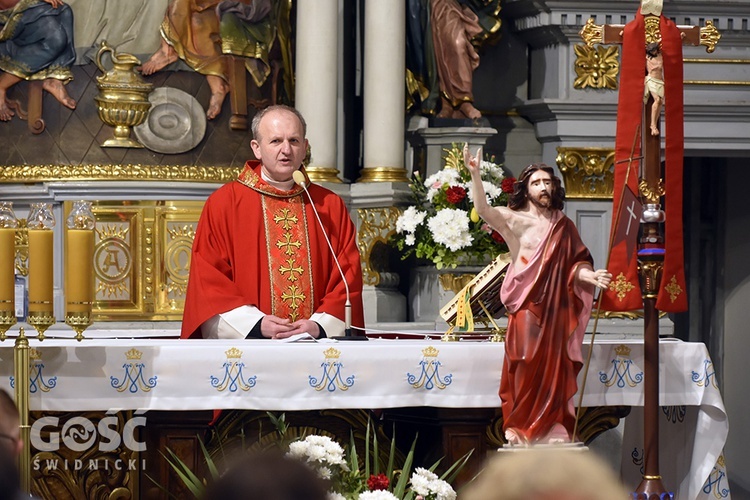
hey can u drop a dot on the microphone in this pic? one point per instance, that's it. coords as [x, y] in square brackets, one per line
[301, 180]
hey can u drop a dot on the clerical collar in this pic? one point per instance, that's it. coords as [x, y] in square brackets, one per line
[283, 185]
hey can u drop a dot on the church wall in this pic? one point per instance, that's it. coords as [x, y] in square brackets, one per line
[736, 277]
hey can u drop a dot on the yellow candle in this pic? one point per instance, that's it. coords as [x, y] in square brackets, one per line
[7, 262]
[79, 276]
[40, 271]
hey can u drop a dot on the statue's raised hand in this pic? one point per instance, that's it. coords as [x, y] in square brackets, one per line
[472, 162]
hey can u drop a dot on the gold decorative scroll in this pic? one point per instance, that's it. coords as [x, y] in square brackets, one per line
[588, 172]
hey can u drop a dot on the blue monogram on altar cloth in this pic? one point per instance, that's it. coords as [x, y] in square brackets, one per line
[708, 377]
[233, 379]
[36, 375]
[429, 377]
[332, 377]
[717, 484]
[621, 370]
[133, 379]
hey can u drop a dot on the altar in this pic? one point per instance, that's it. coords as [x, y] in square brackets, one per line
[169, 374]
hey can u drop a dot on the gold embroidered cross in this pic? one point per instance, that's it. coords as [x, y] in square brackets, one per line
[673, 288]
[293, 296]
[288, 244]
[622, 286]
[285, 218]
[291, 269]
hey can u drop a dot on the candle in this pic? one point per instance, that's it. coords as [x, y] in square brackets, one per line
[40, 271]
[7, 262]
[79, 277]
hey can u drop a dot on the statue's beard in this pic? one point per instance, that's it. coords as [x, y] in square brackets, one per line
[543, 201]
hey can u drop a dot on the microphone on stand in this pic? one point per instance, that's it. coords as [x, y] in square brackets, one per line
[301, 180]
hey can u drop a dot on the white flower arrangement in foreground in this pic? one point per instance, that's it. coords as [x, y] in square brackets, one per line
[429, 486]
[321, 453]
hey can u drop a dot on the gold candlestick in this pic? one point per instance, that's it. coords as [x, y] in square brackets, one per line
[79, 276]
[8, 224]
[41, 307]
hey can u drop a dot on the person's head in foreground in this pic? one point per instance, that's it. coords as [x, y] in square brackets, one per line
[545, 474]
[268, 476]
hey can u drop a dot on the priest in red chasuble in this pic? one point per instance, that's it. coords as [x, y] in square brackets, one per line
[548, 293]
[261, 267]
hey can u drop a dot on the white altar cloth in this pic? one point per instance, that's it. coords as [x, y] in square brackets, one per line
[164, 374]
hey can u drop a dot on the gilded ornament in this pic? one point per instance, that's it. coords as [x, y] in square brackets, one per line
[383, 174]
[653, 33]
[455, 282]
[588, 172]
[652, 194]
[323, 174]
[596, 67]
[122, 101]
[376, 227]
[164, 173]
[709, 36]
[649, 272]
[592, 33]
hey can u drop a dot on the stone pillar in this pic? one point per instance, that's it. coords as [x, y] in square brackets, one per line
[316, 86]
[384, 91]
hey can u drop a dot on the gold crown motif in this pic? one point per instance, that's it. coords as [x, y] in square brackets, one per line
[134, 354]
[233, 353]
[332, 353]
[430, 352]
[34, 354]
[622, 350]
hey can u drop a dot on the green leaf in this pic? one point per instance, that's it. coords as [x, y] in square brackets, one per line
[403, 478]
[450, 475]
[188, 478]
[209, 461]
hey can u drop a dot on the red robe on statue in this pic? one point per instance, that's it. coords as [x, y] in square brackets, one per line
[260, 246]
[548, 314]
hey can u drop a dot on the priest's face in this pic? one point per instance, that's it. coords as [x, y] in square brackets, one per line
[280, 145]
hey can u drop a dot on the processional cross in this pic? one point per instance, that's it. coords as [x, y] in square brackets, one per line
[651, 69]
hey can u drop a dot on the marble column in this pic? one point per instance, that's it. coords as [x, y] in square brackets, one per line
[384, 91]
[315, 89]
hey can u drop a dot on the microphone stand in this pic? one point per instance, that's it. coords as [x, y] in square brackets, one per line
[300, 180]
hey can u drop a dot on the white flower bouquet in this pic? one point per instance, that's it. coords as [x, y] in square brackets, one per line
[442, 226]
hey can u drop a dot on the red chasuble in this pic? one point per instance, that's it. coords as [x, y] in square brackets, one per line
[260, 246]
[548, 314]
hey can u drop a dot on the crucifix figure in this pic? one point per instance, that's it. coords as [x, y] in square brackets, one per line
[650, 80]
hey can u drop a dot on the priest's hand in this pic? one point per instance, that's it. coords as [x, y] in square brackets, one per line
[273, 327]
[302, 326]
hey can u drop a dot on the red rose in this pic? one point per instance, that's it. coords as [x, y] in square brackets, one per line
[496, 236]
[455, 194]
[507, 185]
[379, 482]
